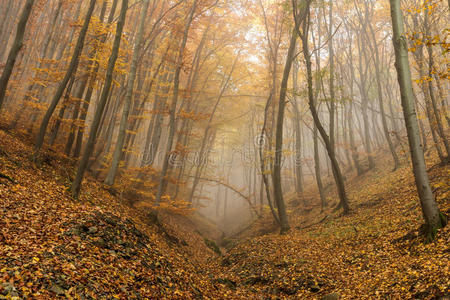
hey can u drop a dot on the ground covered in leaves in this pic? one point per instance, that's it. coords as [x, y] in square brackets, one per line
[97, 248]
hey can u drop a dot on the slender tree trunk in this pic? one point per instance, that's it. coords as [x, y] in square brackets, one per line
[332, 92]
[62, 86]
[261, 143]
[172, 124]
[15, 49]
[433, 218]
[118, 151]
[55, 129]
[298, 135]
[330, 150]
[277, 188]
[76, 186]
[317, 169]
[365, 103]
[93, 77]
[75, 114]
[380, 98]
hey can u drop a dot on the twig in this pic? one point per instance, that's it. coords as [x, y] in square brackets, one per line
[311, 225]
[233, 189]
[7, 177]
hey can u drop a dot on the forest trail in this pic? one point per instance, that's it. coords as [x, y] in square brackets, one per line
[53, 246]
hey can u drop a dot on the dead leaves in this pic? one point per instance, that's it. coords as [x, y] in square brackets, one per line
[53, 247]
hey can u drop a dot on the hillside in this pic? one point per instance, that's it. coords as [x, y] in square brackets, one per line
[224, 149]
[53, 246]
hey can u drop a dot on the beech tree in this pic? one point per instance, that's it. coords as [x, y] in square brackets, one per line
[312, 106]
[15, 49]
[172, 124]
[433, 218]
[118, 151]
[62, 86]
[76, 185]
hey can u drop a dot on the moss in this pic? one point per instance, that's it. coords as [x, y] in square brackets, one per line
[213, 246]
[431, 232]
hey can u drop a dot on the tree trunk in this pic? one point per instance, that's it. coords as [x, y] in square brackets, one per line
[118, 151]
[433, 217]
[298, 134]
[277, 188]
[317, 169]
[75, 114]
[15, 49]
[380, 98]
[172, 123]
[94, 66]
[330, 150]
[76, 186]
[331, 86]
[364, 104]
[62, 86]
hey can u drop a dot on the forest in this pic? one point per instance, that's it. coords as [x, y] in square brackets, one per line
[240, 149]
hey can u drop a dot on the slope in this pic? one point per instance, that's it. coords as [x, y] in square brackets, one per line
[52, 246]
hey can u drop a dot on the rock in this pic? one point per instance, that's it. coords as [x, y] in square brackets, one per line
[227, 282]
[57, 290]
[100, 243]
[314, 288]
[333, 296]
[93, 230]
[9, 290]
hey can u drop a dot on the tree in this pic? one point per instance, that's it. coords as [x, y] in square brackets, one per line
[433, 218]
[15, 49]
[312, 106]
[93, 77]
[118, 151]
[76, 185]
[62, 86]
[278, 192]
[377, 62]
[172, 111]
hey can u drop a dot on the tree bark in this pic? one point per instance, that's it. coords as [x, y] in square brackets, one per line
[118, 151]
[330, 150]
[277, 188]
[172, 124]
[76, 185]
[62, 86]
[433, 218]
[15, 49]
[298, 134]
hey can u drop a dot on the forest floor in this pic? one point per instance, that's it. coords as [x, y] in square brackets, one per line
[52, 246]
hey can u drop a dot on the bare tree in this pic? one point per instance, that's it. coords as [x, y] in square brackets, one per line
[312, 106]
